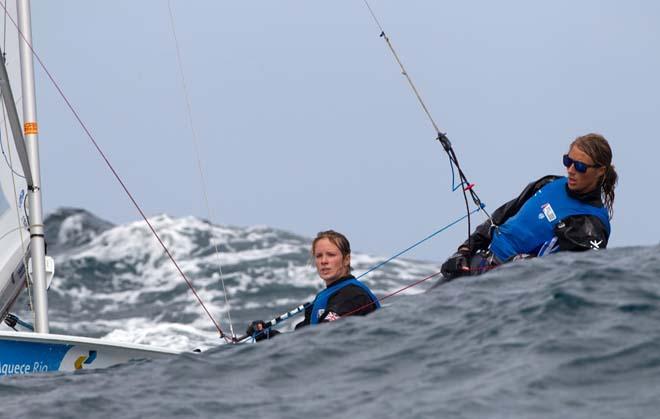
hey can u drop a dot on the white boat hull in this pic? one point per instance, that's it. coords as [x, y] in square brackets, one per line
[29, 353]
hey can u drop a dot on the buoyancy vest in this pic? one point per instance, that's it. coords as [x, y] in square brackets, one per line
[533, 225]
[321, 300]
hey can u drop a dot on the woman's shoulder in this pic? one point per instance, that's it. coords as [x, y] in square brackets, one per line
[350, 298]
[541, 182]
[351, 290]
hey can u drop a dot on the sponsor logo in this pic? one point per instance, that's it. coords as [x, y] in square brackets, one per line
[549, 212]
[332, 316]
[595, 244]
[22, 368]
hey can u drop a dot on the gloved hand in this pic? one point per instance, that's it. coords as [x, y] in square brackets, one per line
[259, 330]
[458, 264]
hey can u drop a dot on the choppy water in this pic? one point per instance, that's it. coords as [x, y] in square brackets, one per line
[571, 335]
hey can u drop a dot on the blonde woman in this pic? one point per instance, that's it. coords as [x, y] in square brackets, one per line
[343, 296]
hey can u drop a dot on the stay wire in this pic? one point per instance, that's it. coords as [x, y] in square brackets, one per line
[441, 137]
[115, 174]
[199, 163]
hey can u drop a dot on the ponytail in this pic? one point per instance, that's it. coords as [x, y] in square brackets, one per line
[607, 187]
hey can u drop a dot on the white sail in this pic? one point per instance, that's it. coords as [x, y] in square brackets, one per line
[14, 235]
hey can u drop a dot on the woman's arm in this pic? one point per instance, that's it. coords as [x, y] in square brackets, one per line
[581, 232]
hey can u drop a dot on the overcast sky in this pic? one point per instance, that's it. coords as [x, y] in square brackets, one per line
[305, 122]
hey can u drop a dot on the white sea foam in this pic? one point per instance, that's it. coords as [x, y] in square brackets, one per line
[175, 336]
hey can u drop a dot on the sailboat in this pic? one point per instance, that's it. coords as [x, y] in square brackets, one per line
[23, 263]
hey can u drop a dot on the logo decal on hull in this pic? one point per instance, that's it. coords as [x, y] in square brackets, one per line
[85, 360]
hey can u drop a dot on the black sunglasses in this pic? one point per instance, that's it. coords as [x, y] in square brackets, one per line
[579, 166]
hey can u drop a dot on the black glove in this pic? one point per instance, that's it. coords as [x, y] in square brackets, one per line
[259, 330]
[458, 264]
[11, 320]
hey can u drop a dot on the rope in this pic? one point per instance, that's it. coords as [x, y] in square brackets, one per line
[418, 243]
[441, 137]
[199, 163]
[392, 294]
[114, 172]
[403, 69]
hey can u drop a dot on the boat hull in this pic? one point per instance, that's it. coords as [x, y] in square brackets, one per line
[29, 353]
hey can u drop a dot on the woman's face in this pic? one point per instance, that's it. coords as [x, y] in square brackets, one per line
[330, 263]
[587, 181]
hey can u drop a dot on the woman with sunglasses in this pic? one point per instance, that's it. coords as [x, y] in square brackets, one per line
[554, 213]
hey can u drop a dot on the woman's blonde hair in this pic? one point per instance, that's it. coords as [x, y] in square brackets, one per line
[337, 239]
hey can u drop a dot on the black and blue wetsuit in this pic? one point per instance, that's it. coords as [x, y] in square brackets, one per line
[344, 296]
[546, 217]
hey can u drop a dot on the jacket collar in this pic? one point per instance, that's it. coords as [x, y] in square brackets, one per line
[591, 198]
[342, 279]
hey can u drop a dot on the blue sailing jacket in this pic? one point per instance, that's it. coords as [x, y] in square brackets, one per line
[533, 226]
[321, 300]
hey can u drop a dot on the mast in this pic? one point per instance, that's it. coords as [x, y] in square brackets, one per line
[30, 129]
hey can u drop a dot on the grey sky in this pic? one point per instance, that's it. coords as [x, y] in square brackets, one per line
[306, 122]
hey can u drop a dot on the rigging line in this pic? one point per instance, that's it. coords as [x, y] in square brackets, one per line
[199, 163]
[403, 69]
[392, 294]
[114, 172]
[435, 233]
[441, 137]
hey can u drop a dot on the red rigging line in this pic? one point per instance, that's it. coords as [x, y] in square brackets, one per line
[116, 175]
[392, 294]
